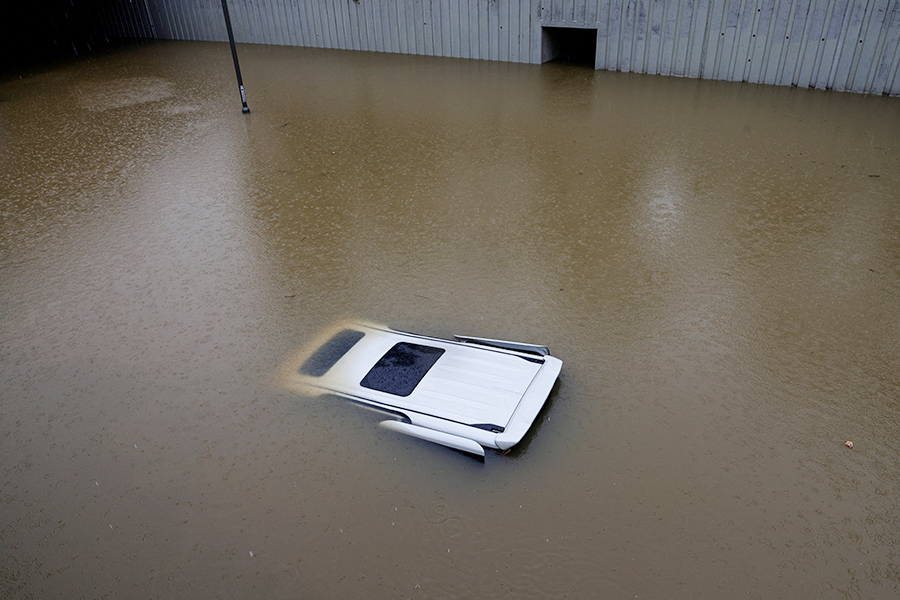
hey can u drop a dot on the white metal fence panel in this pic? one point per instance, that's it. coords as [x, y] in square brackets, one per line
[849, 45]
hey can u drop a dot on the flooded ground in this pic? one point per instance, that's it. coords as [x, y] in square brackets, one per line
[717, 264]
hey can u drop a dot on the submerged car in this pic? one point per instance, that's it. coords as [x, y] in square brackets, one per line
[468, 394]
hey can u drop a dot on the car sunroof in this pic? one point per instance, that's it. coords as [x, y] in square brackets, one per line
[401, 369]
[331, 351]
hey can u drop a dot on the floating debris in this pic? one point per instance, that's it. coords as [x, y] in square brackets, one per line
[848, 443]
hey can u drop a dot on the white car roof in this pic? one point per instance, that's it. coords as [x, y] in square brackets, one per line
[447, 385]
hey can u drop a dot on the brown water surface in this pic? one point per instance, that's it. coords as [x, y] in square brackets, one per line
[717, 264]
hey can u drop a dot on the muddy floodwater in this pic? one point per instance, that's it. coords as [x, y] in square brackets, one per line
[717, 265]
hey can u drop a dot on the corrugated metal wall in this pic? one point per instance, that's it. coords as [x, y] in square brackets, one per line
[830, 44]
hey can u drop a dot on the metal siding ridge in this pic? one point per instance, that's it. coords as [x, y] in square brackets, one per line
[762, 61]
[808, 23]
[513, 31]
[676, 64]
[402, 28]
[462, 33]
[717, 36]
[418, 25]
[263, 32]
[447, 29]
[377, 39]
[291, 23]
[646, 26]
[831, 31]
[211, 33]
[748, 40]
[503, 30]
[381, 29]
[665, 50]
[591, 10]
[471, 38]
[268, 23]
[213, 28]
[878, 67]
[618, 8]
[785, 73]
[892, 85]
[185, 19]
[314, 25]
[414, 20]
[249, 16]
[839, 46]
[431, 42]
[339, 38]
[158, 19]
[355, 24]
[626, 24]
[730, 40]
[579, 12]
[856, 10]
[292, 29]
[693, 57]
[320, 24]
[280, 14]
[654, 39]
[432, 33]
[468, 19]
[863, 51]
[178, 20]
[450, 33]
[238, 20]
[493, 30]
[602, 19]
[515, 34]
[816, 37]
[392, 21]
[782, 43]
[358, 10]
[754, 56]
[174, 31]
[711, 39]
[328, 22]
[443, 45]
[349, 39]
[556, 10]
[307, 39]
[630, 34]
[436, 23]
[274, 16]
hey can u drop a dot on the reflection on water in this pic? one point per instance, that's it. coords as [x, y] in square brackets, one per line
[716, 264]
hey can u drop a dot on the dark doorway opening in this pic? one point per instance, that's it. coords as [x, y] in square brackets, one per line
[569, 44]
